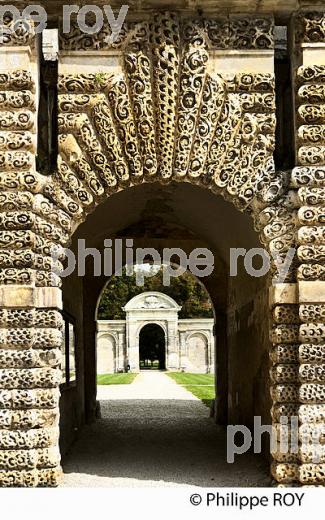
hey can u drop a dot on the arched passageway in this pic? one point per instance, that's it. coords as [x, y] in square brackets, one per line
[241, 331]
[152, 347]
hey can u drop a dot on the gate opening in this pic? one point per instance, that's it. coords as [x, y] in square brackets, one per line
[152, 346]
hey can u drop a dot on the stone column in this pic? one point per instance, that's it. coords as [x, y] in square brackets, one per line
[284, 376]
[132, 338]
[172, 362]
[182, 350]
[30, 324]
[309, 179]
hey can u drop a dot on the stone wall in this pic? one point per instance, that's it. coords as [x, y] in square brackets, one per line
[194, 344]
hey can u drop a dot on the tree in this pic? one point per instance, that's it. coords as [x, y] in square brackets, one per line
[184, 289]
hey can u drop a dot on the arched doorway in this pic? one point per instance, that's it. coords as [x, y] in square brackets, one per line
[152, 347]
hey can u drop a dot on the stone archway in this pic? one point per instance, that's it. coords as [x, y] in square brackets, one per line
[157, 308]
[159, 111]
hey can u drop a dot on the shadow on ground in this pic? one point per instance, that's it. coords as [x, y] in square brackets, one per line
[158, 443]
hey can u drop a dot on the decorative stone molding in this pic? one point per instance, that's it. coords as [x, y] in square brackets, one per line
[17, 33]
[310, 27]
[225, 32]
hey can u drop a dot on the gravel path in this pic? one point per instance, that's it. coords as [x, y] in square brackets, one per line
[155, 433]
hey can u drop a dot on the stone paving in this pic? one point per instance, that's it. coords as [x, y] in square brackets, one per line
[155, 433]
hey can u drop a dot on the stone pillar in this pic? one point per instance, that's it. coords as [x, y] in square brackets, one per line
[277, 224]
[172, 356]
[182, 351]
[30, 335]
[120, 361]
[284, 375]
[309, 179]
[30, 324]
[132, 345]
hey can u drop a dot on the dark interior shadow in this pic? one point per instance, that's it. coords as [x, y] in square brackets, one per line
[173, 441]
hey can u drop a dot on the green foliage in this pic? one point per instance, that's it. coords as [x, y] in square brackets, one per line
[100, 77]
[185, 290]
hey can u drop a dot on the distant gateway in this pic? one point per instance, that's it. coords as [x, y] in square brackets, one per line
[189, 343]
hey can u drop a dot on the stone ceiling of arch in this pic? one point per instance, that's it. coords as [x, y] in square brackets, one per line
[189, 213]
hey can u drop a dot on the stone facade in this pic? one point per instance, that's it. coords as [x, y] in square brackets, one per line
[189, 343]
[177, 98]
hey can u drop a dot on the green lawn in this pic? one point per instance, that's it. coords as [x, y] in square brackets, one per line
[116, 379]
[200, 385]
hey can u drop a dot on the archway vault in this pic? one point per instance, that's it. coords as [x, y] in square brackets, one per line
[162, 114]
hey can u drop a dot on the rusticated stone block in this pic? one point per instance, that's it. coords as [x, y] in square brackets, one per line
[30, 439]
[285, 334]
[311, 253]
[24, 419]
[311, 155]
[29, 459]
[28, 338]
[312, 433]
[35, 398]
[309, 195]
[311, 175]
[312, 413]
[286, 314]
[18, 459]
[312, 333]
[312, 93]
[284, 353]
[312, 393]
[312, 474]
[24, 318]
[309, 453]
[311, 215]
[285, 473]
[311, 235]
[33, 478]
[312, 313]
[312, 373]
[285, 393]
[30, 378]
[279, 456]
[30, 358]
[48, 457]
[311, 353]
[284, 373]
[284, 410]
[308, 274]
